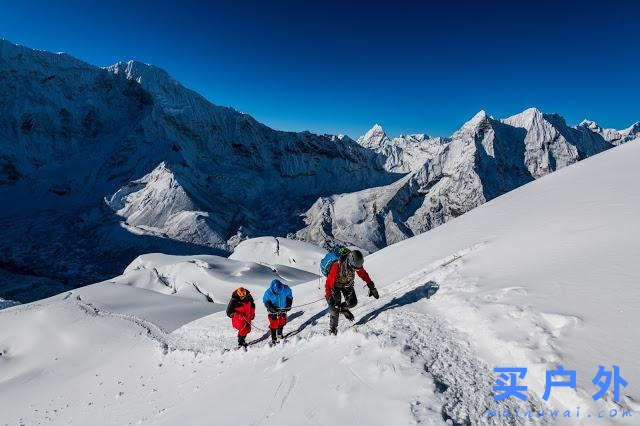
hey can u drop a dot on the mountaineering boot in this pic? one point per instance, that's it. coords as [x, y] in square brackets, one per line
[242, 343]
[274, 338]
[346, 312]
[280, 332]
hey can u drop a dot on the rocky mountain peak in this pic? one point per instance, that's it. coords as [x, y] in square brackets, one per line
[374, 138]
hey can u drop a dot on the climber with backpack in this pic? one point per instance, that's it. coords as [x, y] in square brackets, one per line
[242, 310]
[340, 265]
[278, 300]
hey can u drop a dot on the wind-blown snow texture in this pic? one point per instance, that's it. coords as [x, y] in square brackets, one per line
[544, 275]
[100, 165]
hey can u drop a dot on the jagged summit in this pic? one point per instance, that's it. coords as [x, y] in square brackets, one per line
[376, 129]
[471, 125]
[374, 138]
[531, 111]
[528, 118]
[404, 153]
[479, 116]
[589, 123]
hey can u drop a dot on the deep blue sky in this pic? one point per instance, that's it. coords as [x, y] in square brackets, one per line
[332, 68]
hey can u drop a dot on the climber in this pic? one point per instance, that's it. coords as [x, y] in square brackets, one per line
[242, 311]
[278, 300]
[340, 282]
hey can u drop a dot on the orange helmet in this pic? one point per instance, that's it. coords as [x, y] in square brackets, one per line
[241, 292]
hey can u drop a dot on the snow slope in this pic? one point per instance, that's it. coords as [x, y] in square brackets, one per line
[544, 275]
[552, 277]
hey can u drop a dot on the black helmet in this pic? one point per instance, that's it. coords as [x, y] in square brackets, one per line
[355, 259]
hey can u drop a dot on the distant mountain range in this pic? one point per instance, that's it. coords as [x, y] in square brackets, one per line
[450, 176]
[99, 165]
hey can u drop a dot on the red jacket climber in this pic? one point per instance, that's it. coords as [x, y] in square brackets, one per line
[242, 311]
[340, 281]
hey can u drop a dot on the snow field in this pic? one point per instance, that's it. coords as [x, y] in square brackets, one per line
[544, 275]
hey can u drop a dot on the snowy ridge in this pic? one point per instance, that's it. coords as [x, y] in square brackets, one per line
[204, 278]
[616, 137]
[280, 252]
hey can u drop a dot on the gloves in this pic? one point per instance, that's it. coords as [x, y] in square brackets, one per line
[373, 291]
[332, 303]
[270, 308]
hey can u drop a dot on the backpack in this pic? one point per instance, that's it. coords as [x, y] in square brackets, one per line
[332, 256]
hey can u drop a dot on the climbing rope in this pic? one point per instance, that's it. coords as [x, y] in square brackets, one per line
[296, 306]
[308, 303]
[253, 326]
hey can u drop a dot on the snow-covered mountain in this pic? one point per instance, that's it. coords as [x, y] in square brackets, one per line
[483, 160]
[404, 153]
[100, 165]
[544, 276]
[182, 173]
[616, 137]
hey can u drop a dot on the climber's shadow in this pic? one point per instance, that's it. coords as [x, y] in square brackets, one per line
[425, 291]
[267, 335]
[313, 320]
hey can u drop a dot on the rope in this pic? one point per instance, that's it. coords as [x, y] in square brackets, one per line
[308, 303]
[296, 306]
[253, 326]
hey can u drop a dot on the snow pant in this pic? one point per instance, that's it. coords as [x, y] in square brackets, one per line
[240, 323]
[336, 304]
[277, 320]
